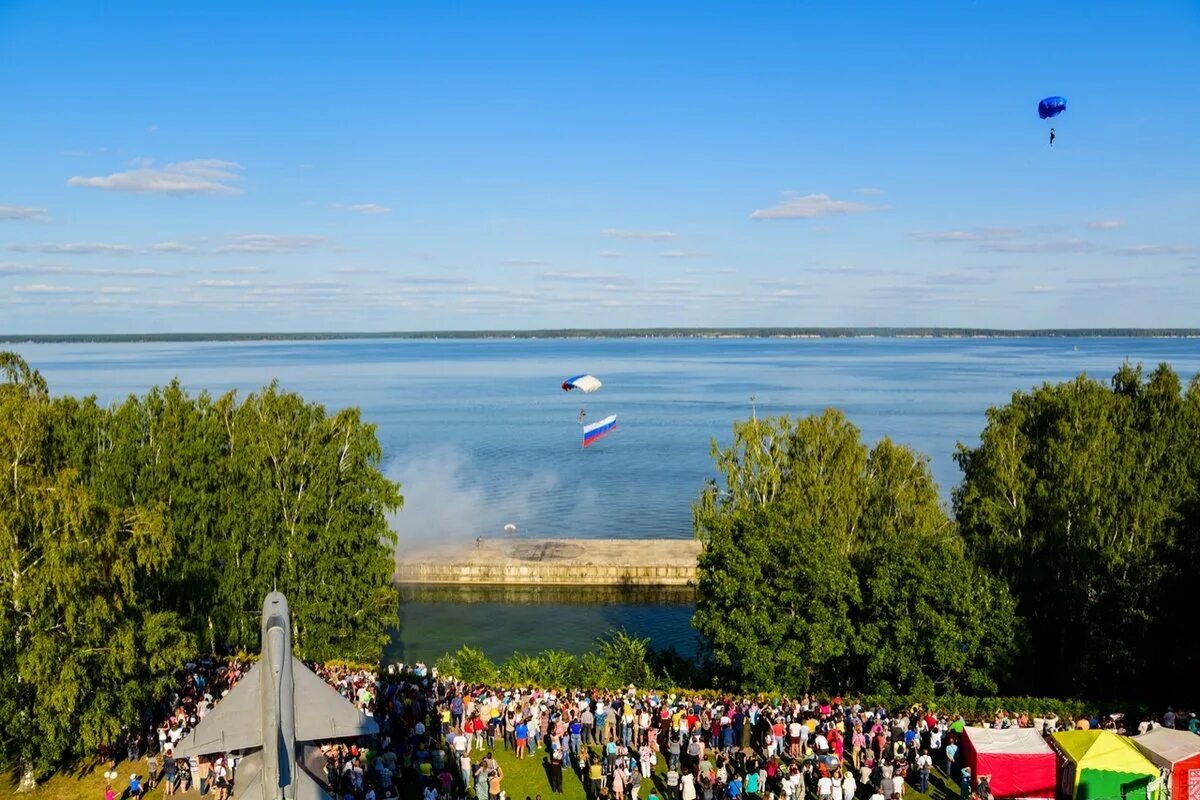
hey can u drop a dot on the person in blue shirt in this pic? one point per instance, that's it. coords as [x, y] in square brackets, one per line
[135, 785]
[576, 731]
[521, 733]
[734, 790]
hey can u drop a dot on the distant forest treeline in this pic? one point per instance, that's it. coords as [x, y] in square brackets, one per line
[623, 333]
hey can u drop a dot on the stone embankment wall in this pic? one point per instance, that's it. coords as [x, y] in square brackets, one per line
[577, 562]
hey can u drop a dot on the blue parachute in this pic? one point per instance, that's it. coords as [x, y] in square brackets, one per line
[1052, 107]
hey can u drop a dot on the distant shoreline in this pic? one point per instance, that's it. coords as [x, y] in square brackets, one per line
[621, 333]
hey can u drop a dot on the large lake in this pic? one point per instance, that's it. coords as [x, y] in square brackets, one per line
[480, 434]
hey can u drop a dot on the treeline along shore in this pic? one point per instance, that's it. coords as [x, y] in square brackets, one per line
[139, 535]
[616, 333]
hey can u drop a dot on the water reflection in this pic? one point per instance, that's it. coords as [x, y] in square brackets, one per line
[501, 620]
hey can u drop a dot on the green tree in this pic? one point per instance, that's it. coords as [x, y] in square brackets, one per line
[86, 650]
[130, 534]
[1078, 497]
[830, 565]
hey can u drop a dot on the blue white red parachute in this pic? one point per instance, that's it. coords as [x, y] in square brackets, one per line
[584, 383]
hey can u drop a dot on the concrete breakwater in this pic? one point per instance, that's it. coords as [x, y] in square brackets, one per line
[563, 562]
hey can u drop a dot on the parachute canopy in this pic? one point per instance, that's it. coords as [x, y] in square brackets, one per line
[1052, 107]
[584, 383]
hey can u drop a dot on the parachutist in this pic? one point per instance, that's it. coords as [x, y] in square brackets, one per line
[1052, 137]
[582, 415]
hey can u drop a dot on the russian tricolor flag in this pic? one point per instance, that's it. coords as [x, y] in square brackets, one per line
[597, 429]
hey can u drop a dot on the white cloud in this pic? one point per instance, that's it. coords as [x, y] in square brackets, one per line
[682, 254]
[357, 271]
[610, 254]
[248, 270]
[222, 283]
[812, 205]
[585, 277]
[971, 235]
[23, 213]
[1042, 288]
[172, 247]
[1155, 250]
[74, 248]
[119, 290]
[869, 191]
[199, 176]
[369, 208]
[1106, 225]
[59, 269]
[362, 208]
[271, 243]
[1048, 246]
[526, 262]
[645, 236]
[45, 288]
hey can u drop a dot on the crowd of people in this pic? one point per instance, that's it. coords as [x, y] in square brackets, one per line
[633, 745]
[201, 685]
[439, 738]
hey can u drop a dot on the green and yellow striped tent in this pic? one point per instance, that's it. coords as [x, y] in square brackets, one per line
[1101, 765]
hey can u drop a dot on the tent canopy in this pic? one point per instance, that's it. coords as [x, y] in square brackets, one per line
[1014, 741]
[1105, 766]
[1104, 750]
[1167, 747]
[1019, 761]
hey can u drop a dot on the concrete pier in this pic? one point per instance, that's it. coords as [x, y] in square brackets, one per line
[562, 562]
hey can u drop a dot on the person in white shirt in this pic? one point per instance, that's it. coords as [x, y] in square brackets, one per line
[924, 765]
[825, 788]
[898, 785]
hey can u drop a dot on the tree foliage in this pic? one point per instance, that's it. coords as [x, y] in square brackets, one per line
[1083, 497]
[828, 564]
[131, 536]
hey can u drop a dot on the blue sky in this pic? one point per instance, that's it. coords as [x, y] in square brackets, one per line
[299, 166]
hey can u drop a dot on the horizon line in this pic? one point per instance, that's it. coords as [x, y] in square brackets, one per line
[753, 332]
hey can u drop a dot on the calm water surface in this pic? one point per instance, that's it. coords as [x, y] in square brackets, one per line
[480, 434]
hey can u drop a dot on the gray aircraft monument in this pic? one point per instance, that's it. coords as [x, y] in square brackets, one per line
[276, 707]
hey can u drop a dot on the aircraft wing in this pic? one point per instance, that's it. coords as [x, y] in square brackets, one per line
[322, 713]
[235, 722]
[308, 789]
[247, 778]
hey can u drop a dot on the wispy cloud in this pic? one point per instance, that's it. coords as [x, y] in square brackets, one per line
[526, 262]
[1154, 250]
[45, 288]
[610, 254]
[262, 243]
[199, 176]
[645, 236]
[968, 235]
[869, 191]
[23, 213]
[585, 277]
[682, 254]
[242, 270]
[172, 247]
[812, 205]
[74, 248]
[363, 208]
[1105, 225]
[1042, 288]
[60, 269]
[223, 283]
[1050, 246]
[358, 271]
